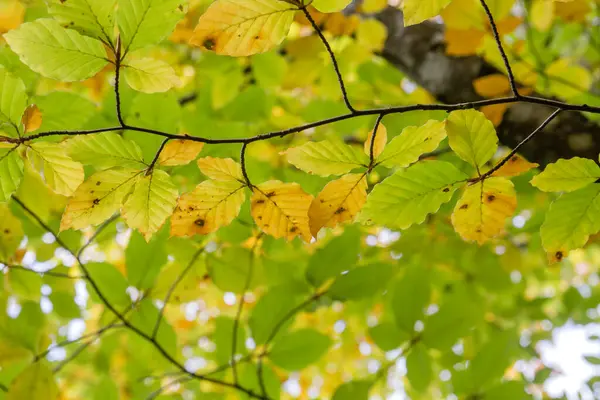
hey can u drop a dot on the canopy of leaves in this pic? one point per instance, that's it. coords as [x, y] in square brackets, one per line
[247, 200]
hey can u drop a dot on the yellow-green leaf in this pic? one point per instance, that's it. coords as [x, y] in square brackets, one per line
[180, 152]
[151, 202]
[105, 150]
[412, 143]
[481, 212]
[243, 27]
[408, 196]
[328, 157]
[44, 45]
[93, 18]
[417, 11]
[567, 175]
[339, 201]
[149, 75]
[11, 233]
[472, 136]
[221, 169]
[59, 171]
[36, 382]
[211, 205]
[281, 210]
[13, 101]
[11, 172]
[570, 221]
[330, 6]
[98, 198]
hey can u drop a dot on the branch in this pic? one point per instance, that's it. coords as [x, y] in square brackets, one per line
[157, 156]
[101, 228]
[243, 163]
[372, 146]
[42, 273]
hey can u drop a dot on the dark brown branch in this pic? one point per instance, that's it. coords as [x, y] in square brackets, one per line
[157, 156]
[372, 144]
[243, 164]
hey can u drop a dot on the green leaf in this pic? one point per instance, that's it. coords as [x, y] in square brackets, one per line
[110, 283]
[567, 175]
[592, 360]
[387, 336]
[222, 337]
[408, 196]
[152, 201]
[330, 6]
[36, 382]
[472, 136]
[412, 143]
[145, 317]
[419, 370]
[145, 259]
[64, 305]
[333, 258]
[24, 284]
[417, 11]
[328, 157]
[105, 150]
[149, 75]
[13, 101]
[145, 22]
[11, 233]
[249, 379]
[93, 18]
[60, 173]
[64, 111]
[11, 172]
[297, 350]
[513, 390]
[492, 359]
[353, 390]
[231, 269]
[44, 45]
[361, 282]
[98, 198]
[27, 329]
[571, 219]
[411, 295]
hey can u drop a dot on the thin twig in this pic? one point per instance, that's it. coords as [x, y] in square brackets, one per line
[336, 66]
[243, 163]
[511, 76]
[157, 156]
[117, 78]
[372, 144]
[101, 228]
[172, 289]
[42, 273]
[521, 144]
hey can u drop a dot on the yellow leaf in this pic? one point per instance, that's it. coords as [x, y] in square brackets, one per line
[12, 353]
[417, 11]
[32, 119]
[380, 141]
[243, 27]
[211, 205]
[494, 113]
[149, 75]
[516, 165]
[492, 85]
[572, 11]
[463, 15]
[98, 198]
[11, 233]
[221, 169]
[152, 201]
[338, 202]
[11, 15]
[281, 210]
[463, 42]
[59, 171]
[180, 152]
[481, 212]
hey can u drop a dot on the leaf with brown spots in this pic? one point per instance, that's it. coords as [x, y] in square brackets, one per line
[515, 166]
[338, 202]
[180, 152]
[481, 212]
[211, 205]
[243, 27]
[281, 210]
[98, 198]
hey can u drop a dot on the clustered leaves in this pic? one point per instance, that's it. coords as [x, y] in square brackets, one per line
[139, 195]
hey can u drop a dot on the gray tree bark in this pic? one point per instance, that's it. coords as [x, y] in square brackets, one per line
[419, 52]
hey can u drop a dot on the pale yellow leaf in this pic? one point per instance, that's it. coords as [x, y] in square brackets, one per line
[417, 11]
[338, 202]
[211, 205]
[32, 119]
[149, 75]
[59, 171]
[243, 27]
[281, 210]
[221, 169]
[98, 198]
[152, 201]
[516, 165]
[180, 152]
[380, 141]
[481, 212]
